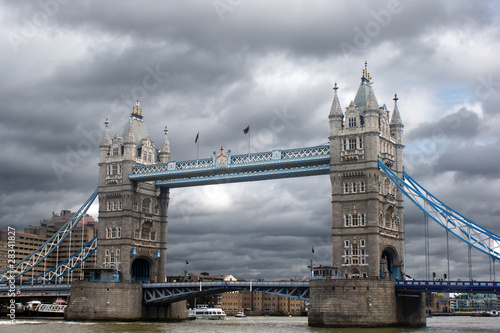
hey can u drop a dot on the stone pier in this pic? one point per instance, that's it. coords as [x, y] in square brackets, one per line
[363, 303]
[117, 301]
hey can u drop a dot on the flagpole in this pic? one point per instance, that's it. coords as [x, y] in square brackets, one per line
[249, 133]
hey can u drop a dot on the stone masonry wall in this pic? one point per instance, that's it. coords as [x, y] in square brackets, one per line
[104, 301]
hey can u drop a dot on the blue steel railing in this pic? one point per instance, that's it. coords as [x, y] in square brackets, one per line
[291, 162]
[449, 286]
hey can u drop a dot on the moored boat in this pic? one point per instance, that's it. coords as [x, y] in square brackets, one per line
[206, 313]
[240, 314]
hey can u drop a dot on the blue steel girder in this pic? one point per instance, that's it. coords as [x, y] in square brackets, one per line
[175, 291]
[225, 168]
[453, 222]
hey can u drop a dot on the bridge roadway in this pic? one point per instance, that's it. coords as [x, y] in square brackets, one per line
[175, 291]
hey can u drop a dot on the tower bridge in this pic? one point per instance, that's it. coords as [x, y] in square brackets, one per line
[364, 160]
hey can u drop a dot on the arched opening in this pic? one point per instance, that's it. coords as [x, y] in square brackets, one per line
[140, 271]
[387, 268]
[355, 274]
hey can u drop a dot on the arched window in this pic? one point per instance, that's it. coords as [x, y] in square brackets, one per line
[146, 205]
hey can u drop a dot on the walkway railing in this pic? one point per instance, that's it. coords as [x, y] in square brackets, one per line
[225, 168]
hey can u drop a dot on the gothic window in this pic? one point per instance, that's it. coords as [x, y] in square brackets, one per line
[115, 151]
[113, 233]
[355, 220]
[355, 250]
[153, 235]
[346, 187]
[354, 187]
[119, 233]
[108, 233]
[112, 257]
[119, 169]
[362, 187]
[352, 122]
[362, 219]
[346, 222]
[120, 207]
[106, 252]
[109, 205]
[146, 205]
[117, 253]
[145, 232]
[355, 261]
[137, 234]
[352, 144]
[108, 168]
[362, 244]
[115, 205]
[346, 252]
[149, 157]
[114, 169]
[360, 142]
[344, 144]
[346, 243]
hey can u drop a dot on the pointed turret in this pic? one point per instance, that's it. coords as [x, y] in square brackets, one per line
[165, 149]
[336, 110]
[371, 102]
[129, 143]
[364, 91]
[336, 116]
[396, 124]
[396, 117]
[105, 143]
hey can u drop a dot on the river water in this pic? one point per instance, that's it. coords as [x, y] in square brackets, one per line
[235, 325]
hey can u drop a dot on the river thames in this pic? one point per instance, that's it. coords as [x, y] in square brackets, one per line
[248, 324]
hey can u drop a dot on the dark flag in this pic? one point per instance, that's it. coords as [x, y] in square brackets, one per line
[313, 250]
[245, 131]
[197, 136]
[187, 262]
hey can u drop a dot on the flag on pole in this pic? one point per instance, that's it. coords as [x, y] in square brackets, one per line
[197, 136]
[246, 130]
[313, 249]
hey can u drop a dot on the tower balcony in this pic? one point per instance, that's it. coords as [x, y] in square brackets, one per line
[352, 155]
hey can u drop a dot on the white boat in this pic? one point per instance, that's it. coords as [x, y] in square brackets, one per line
[206, 313]
[240, 314]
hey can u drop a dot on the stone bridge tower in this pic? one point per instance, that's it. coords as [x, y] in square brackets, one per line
[367, 208]
[132, 216]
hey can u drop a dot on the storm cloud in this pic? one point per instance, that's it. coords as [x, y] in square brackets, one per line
[216, 67]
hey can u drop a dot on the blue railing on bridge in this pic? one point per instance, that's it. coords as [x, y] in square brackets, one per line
[449, 286]
[310, 160]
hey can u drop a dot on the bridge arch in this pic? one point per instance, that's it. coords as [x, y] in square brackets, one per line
[141, 270]
[390, 267]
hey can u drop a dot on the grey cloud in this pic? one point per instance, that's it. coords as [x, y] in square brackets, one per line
[461, 124]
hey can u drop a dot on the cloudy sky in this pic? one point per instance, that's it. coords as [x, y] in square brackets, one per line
[215, 67]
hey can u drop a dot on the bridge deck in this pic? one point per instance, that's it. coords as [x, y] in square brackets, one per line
[226, 168]
[172, 291]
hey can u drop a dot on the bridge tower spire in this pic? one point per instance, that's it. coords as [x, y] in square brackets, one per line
[132, 215]
[367, 209]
